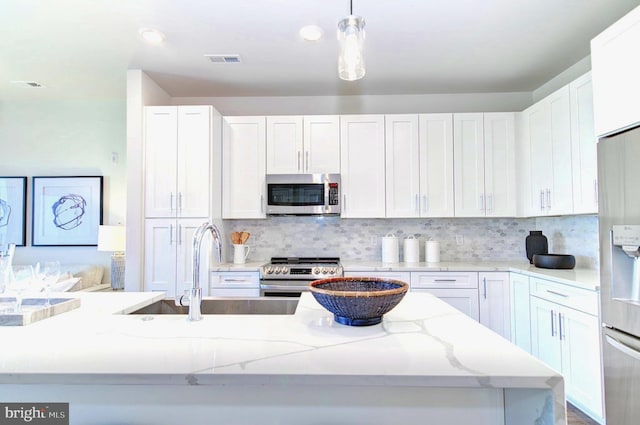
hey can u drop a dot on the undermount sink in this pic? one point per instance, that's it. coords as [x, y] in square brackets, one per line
[275, 305]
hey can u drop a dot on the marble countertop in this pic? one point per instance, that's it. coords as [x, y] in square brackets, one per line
[422, 342]
[582, 278]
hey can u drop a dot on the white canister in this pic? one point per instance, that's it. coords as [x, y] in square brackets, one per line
[240, 253]
[432, 249]
[411, 250]
[390, 250]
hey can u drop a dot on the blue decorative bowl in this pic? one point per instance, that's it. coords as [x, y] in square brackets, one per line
[358, 301]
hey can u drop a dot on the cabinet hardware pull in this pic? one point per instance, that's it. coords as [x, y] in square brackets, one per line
[171, 201]
[489, 204]
[557, 293]
[629, 351]
[234, 280]
[344, 202]
[553, 329]
[179, 234]
[417, 204]
[299, 154]
[548, 199]
[306, 160]
[484, 284]
[542, 200]
[425, 203]
[171, 234]
[560, 321]
[180, 201]
[262, 203]
[482, 202]
[445, 280]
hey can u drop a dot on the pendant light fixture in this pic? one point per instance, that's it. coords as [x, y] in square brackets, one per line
[351, 38]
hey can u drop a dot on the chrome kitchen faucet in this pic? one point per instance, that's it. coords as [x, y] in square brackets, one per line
[195, 295]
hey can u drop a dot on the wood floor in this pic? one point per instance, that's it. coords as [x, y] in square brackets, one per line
[576, 417]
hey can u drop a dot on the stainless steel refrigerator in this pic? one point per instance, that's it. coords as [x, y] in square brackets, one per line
[619, 222]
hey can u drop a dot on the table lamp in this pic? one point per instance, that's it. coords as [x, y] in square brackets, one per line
[112, 239]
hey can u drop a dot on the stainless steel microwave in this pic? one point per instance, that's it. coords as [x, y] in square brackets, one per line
[303, 194]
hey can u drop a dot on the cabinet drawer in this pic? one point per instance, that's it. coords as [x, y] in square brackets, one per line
[569, 296]
[444, 280]
[234, 292]
[235, 280]
[402, 276]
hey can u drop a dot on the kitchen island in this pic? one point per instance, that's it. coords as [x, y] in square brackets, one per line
[425, 363]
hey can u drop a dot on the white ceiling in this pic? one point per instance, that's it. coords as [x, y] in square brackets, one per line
[82, 48]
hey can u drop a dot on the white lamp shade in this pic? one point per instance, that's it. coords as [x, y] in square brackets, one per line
[111, 238]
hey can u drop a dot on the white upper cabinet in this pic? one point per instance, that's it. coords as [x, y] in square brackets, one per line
[549, 138]
[616, 69]
[484, 164]
[402, 166]
[362, 166]
[583, 147]
[177, 157]
[297, 144]
[436, 165]
[243, 167]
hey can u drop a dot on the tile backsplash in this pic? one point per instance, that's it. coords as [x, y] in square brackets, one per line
[483, 239]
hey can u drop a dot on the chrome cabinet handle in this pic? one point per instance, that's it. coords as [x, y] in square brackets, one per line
[548, 199]
[417, 208]
[299, 153]
[171, 201]
[557, 293]
[445, 280]
[180, 201]
[306, 160]
[482, 202]
[560, 323]
[542, 200]
[344, 202]
[261, 203]
[179, 234]
[489, 203]
[553, 319]
[425, 203]
[484, 284]
[171, 234]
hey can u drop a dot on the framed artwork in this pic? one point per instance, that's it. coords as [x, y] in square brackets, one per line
[67, 211]
[13, 210]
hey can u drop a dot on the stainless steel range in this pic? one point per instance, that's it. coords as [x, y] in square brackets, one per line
[290, 276]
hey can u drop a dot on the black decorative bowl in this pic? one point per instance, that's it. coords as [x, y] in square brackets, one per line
[358, 301]
[554, 261]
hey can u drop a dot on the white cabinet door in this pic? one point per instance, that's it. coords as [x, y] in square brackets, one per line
[436, 165]
[184, 256]
[500, 164]
[243, 167]
[520, 312]
[550, 153]
[284, 145]
[494, 302]
[468, 153]
[362, 166]
[616, 67]
[583, 147]
[402, 166]
[160, 244]
[579, 333]
[458, 289]
[160, 151]
[545, 343]
[465, 300]
[194, 147]
[321, 144]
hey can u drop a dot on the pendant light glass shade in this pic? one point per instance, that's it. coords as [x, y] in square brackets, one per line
[351, 38]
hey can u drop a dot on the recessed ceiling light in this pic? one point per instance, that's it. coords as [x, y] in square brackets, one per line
[311, 32]
[33, 84]
[151, 36]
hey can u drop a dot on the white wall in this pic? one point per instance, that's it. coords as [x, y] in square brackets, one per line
[66, 138]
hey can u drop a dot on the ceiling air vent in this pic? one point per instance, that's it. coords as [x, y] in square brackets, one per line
[223, 58]
[33, 84]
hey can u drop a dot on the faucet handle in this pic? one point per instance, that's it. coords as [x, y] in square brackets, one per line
[184, 299]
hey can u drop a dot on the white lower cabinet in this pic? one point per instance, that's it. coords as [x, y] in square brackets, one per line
[520, 311]
[493, 302]
[458, 289]
[402, 276]
[234, 284]
[568, 340]
[168, 256]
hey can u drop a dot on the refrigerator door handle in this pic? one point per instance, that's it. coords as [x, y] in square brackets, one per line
[623, 347]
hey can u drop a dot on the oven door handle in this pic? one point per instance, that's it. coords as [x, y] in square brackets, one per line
[290, 288]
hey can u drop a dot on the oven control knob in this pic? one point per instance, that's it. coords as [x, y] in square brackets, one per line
[332, 270]
[316, 270]
[268, 270]
[285, 270]
[276, 270]
[324, 270]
